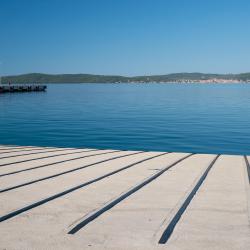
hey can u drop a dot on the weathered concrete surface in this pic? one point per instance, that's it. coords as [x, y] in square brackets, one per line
[31, 151]
[147, 208]
[216, 218]
[39, 168]
[29, 157]
[32, 162]
[31, 193]
[218, 213]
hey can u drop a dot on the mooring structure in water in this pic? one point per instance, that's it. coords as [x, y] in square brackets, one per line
[12, 88]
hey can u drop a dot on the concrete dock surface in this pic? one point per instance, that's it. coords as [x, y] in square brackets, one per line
[67, 198]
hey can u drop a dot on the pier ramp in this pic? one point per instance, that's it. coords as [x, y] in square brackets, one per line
[84, 198]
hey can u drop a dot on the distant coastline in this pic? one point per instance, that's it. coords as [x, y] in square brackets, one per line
[89, 78]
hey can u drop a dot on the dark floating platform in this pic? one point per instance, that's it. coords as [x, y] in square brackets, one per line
[22, 88]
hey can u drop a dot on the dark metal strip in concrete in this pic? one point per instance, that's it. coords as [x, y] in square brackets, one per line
[248, 167]
[53, 197]
[57, 162]
[45, 157]
[67, 172]
[170, 228]
[114, 202]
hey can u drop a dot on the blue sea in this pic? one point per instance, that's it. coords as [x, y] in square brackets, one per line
[203, 118]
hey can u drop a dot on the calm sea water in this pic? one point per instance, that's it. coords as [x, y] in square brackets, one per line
[166, 117]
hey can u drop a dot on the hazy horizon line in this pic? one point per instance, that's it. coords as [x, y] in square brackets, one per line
[126, 75]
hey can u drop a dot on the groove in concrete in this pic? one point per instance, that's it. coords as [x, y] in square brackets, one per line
[58, 195]
[45, 157]
[57, 162]
[248, 167]
[114, 202]
[171, 226]
[68, 171]
[34, 153]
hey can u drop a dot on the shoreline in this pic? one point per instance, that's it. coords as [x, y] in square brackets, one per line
[90, 78]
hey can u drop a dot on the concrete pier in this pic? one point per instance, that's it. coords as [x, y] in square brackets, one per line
[67, 198]
[21, 88]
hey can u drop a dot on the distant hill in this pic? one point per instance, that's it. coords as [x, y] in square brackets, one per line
[61, 78]
[88, 78]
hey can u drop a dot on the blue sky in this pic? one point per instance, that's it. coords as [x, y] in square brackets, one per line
[125, 37]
